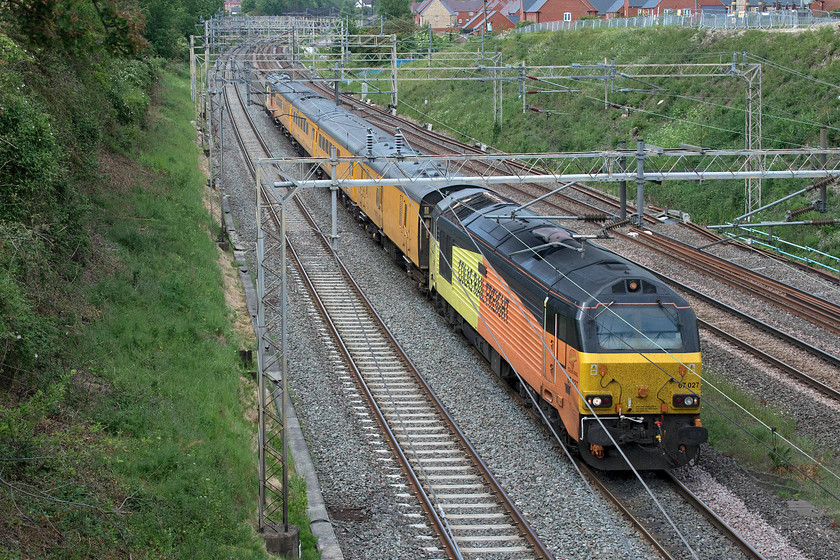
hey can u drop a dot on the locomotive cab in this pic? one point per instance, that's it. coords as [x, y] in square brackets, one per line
[639, 377]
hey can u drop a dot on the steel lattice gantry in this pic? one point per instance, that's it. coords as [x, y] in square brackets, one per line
[688, 163]
[272, 361]
[653, 164]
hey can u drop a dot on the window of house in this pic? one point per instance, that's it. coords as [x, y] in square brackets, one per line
[471, 13]
[567, 16]
[437, 18]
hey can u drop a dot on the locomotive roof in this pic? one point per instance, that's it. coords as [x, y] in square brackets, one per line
[582, 271]
[351, 132]
[538, 247]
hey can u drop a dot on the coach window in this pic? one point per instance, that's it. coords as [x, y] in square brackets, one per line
[445, 259]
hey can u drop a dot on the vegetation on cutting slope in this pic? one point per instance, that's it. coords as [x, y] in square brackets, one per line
[126, 427]
[799, 93]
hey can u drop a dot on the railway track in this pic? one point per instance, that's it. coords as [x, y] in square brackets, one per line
[817, 368]
[748, 551]
[822, 313]
[629, 496]
[457, 491]
[466, 507]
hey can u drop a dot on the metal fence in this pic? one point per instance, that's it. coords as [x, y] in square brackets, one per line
[735, 20]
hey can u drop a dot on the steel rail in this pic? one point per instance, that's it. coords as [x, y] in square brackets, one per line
[787, 368]
[707, 512]
[687, 495]
[593, 477]
[513, 511]
[812, 308]
[832, 310]
[716, 239]
[790, 339]
[426, 503]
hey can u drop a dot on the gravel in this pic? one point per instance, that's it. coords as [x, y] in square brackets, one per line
[373, 515]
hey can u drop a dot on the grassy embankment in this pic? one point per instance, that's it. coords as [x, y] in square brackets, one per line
[701, 111]
[142, 444]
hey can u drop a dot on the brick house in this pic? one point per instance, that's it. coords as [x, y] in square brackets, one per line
[500, 15]
[446, 15]
[541, 11]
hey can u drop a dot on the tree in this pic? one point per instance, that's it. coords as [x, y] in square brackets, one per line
[271, 7]
[395, 9]
[76, 26]
[169, 24]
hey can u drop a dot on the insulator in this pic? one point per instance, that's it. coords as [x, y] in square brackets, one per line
[370, 142]
[616, 224]
[823, 181]
[595, 218]
[398, 140]
[804, 210]
[824, 221]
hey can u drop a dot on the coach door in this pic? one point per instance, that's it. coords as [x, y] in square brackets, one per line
[554, 347]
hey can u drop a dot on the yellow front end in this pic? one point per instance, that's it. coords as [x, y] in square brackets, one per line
[640, 383]
[645, 404]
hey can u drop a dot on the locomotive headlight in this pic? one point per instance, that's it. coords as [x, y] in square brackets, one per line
[599, 401]
[686, 401]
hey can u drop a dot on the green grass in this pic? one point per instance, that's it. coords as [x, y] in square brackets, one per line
[139, 445]
[164, 348]
[754, 445]
[707, 112]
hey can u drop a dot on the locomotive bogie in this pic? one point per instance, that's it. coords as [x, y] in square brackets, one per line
[649, 442]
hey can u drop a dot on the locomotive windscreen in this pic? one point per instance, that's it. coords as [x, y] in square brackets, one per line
[638, 328]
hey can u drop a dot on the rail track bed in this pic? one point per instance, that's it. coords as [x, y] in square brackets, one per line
[528, 476]
[463, 503]
[672, 541]
[457, 490]
[822, 313]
